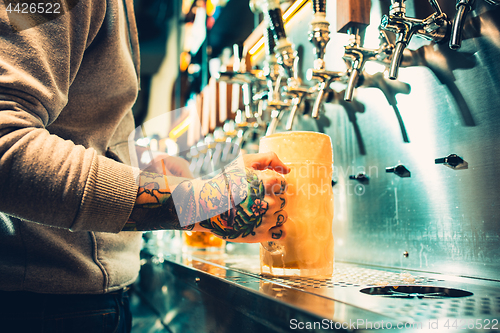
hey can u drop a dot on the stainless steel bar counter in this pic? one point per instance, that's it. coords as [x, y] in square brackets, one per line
[202, 291]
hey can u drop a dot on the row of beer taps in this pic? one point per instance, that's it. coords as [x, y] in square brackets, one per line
[276, 89]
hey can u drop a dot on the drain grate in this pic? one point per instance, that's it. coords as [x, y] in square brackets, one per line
[475, 307]
[483, 303]
[351, 276]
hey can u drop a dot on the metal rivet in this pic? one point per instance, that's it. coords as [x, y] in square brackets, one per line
[406, 254]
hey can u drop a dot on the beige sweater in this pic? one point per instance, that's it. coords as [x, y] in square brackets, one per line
[66, 91]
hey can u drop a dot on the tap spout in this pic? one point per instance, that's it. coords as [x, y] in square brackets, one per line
[325, 78]
[463, 8]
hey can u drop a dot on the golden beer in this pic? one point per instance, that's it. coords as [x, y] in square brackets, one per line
[202, 240]
[307, 250]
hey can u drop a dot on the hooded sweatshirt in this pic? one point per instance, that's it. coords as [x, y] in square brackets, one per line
[67, 85]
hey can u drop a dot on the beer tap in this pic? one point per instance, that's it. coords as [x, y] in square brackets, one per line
[285, 53]
[357, 57]
[194, 154]
[271, 67]
[463, 8]
[353, 17]
[274, 82]
[319, 33]
[201, 147]
[220, 142]
[231, 133]
[287, 59]
[325, 78]
[247, 78]
[208, 162]
[297, 94]
[319, 36]
[433, 27]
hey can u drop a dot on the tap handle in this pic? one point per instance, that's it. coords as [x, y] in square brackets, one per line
[269, 41]
[399, 170]
[319, 6]
[398, 8]
[463, 8]
[453, 161]
[353, 13]
[274, 17]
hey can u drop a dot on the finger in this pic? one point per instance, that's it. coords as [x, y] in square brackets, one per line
[282, 202]
[270, 160]
[277, 233]
[274, 183]
[281, 217]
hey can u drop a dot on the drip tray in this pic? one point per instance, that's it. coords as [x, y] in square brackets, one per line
[415, 291]
[409, 296]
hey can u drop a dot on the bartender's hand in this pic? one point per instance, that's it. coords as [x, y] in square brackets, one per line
[237, 205]
[258, 210]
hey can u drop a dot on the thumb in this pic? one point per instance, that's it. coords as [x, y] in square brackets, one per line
[264, 161]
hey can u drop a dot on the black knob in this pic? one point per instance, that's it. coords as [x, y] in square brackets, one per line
[399, 170]
[361, 177]
[453, 161]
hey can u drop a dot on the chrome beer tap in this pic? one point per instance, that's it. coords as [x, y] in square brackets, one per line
[230, 132]
[194, 154]
[285, 53]
[325, 78]
[319, 36]
[220, 142]
[319, 33]
[274, 83]
[434, 27]
[250, 80]
[202, 149]
[357, 56]
[463, 8]
[278, 44]
[208, 162]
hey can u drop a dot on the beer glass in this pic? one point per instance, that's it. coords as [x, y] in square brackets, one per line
[201, 240]
[307, 250]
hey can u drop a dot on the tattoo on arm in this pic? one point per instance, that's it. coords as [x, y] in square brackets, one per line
[231, 205]
[156, 209]
[220, 195]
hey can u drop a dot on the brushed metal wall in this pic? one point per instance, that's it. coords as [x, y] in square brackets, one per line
[446, 220]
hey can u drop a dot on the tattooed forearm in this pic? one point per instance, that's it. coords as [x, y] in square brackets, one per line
[155, 209]
[231, 205]
[236, 220]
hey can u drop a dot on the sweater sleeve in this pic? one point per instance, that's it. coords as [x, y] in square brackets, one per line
[45, 178]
